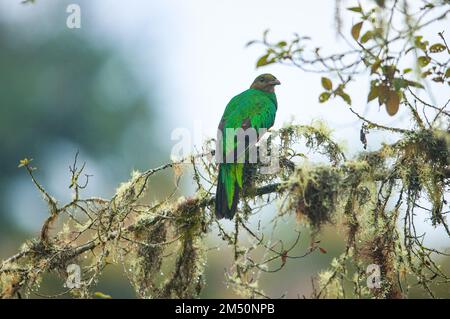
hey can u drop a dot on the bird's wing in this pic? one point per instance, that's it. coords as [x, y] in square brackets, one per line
[249, 109]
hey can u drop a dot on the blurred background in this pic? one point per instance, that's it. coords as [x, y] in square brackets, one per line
[116, 88]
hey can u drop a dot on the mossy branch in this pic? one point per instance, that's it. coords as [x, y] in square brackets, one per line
[147, 237]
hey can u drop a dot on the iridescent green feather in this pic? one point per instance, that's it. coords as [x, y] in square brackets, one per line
[260, 108]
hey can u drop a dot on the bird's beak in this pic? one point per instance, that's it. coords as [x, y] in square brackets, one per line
[275, 82]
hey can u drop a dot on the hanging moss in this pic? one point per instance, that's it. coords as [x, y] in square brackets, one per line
[424, 166]
[148, 260]
[364, 196]
[316, 191]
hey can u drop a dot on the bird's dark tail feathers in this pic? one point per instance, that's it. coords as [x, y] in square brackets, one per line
[222, 209]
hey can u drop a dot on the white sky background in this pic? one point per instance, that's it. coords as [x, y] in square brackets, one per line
[202, 61]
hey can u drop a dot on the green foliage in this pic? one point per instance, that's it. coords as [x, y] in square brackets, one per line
[374, 53]
[356, 29]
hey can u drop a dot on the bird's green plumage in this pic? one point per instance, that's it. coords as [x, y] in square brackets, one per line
[252, 108]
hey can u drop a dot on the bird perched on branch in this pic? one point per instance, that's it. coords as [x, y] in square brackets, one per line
[253, 109]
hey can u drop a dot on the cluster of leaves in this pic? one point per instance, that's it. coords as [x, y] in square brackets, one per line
[375, 47]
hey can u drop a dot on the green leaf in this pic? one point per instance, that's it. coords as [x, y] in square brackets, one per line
[414, 84]
[447, 73]
[373, 93]
[407, 70]
[438, 79]
[399, 83]
[392, 103]
[367, 36]
[355, 9]
[420, 44]
[437, 47]
[281, 44]
[264, 60]
[356, 29]
[426, 74]
[101, 295]
[327, 84]
[324, 97]
[423, 61]
[375, 66]
[345, 97]
[382, 94]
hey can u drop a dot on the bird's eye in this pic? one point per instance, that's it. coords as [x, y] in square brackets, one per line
[261, 80]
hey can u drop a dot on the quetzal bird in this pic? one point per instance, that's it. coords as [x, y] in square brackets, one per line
[254, 108]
